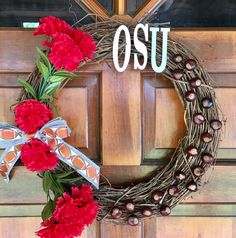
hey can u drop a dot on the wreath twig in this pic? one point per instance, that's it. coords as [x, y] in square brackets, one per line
[195, 152]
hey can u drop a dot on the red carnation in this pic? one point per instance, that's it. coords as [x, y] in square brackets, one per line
[82, 196]
[71, 215]
[85, 42]
[37, 156]
[65, 53]
[68, 46]
[53, 229]
[31, 115]
[51, 25]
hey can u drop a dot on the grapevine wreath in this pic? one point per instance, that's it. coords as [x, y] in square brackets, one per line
[67, 173]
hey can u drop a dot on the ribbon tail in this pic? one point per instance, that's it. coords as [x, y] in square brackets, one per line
[79, 162]
[7, 161]
[10, 135]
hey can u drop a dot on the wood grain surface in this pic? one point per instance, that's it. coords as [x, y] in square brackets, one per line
[121, 114]
[120, 120]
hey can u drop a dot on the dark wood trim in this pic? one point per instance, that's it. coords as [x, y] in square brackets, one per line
[97, 11]
[120, 7]
[144, 12]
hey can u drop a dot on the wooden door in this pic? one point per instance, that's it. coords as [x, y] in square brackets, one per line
[129, 122]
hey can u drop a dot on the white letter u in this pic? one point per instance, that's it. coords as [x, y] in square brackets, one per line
[165, 31]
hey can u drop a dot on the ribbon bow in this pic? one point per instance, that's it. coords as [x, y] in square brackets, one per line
[52, 133]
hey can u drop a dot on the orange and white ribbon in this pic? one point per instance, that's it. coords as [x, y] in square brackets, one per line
[52, 133]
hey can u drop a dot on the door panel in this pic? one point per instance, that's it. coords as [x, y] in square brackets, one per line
[123, 120]
[78, 104]
[121, 117]
[163, 120]
[7, 98]
[109, 230]
[17, 50]
[191, 227]
[219, 191]
[26, 227]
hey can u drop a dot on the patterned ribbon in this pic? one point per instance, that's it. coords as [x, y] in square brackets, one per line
[52, 133]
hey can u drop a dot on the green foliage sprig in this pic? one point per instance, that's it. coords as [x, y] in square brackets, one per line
[54, 185]
[51, 80]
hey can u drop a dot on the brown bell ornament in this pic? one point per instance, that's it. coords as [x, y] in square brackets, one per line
[157, 195]
[190, 96]
[198, 118]
[207, 103]
[177, 58]
[147, 211]
[173, 191]
[195, 82]
[215, 124]
[165, 210]
[130, 206]
[191, 186]
[198, 171]
[179, 175]
[178, 74]
[133, 220]
[190, 64]
[206, 137]
[207, 158]
[192, 151]
[116, 213]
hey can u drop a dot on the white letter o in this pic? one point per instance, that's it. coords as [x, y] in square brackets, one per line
[116, 47]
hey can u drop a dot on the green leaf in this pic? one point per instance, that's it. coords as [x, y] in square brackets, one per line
[63, 175]
[43, 69]
[47, 181]
[48, 92]
[55, 79]
[28, 87]
[44, 58]
[45, 97]
[66, 74]
[56, 187]
[48, 210]
[51, 88]
[70, 180]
